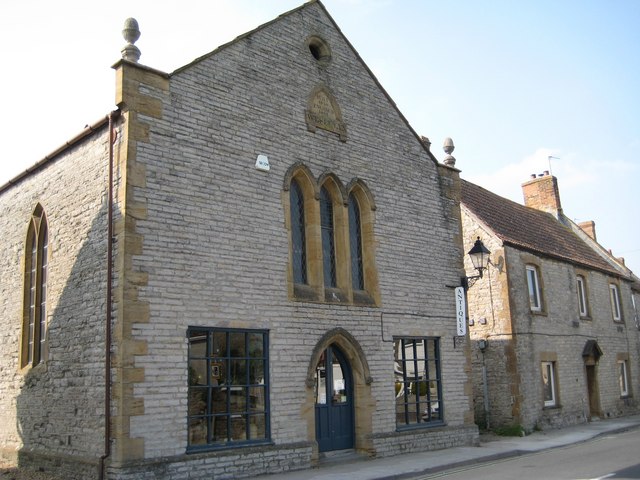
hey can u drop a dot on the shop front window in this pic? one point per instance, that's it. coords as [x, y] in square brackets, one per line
[418, 384]
[228, 387]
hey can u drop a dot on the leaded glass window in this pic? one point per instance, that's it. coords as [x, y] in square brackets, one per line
[35, 285]
[328, 242]
[355, 243]
[298, 233]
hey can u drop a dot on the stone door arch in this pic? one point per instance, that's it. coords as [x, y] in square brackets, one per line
[364, 404]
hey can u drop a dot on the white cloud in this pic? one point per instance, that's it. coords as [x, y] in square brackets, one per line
[507, 180]
[575, 173]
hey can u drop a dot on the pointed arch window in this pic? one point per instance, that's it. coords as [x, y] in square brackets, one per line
[298, 239]
[331, 239]
[328, 240]
[355, 244]
[35, 290]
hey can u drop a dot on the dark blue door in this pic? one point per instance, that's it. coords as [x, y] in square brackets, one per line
[334, 401]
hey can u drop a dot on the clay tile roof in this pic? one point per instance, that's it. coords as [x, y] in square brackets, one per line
[530, 229]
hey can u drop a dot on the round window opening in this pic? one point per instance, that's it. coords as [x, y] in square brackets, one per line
[319, 49]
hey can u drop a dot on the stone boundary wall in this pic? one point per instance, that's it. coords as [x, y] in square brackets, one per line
[222, 465]
[429, 439]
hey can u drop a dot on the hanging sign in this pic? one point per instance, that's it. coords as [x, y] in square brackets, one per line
[461, 312]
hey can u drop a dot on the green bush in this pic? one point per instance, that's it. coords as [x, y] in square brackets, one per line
[510, 431]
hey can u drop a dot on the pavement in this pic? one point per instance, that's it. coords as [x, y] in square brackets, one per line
[351, 466]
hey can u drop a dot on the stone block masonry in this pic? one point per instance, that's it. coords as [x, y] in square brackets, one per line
[53, 410]
[215, 253]
[202, 240]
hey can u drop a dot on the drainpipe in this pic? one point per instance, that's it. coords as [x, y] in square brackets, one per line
[485, 386]
[107, 363]
[485, 391]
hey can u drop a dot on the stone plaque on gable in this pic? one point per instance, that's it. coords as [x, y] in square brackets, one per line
[323, 112]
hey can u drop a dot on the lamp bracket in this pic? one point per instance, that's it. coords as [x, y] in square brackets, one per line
[468, 282]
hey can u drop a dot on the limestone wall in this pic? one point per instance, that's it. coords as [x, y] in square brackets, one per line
[490, 320]
[560, 330]
[56, 408]
[518, 340]
[214, 247]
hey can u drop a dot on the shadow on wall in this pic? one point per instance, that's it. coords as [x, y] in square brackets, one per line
[60, 408]
[495, 381]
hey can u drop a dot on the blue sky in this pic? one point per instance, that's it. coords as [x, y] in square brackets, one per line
[510, 82]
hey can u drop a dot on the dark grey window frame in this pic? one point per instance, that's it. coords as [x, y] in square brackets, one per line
[224, 362]
[422, 404]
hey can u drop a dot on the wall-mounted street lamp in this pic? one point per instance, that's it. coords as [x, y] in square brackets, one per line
[480, 259]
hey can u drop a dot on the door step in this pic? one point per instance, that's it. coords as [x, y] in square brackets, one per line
[340, 456]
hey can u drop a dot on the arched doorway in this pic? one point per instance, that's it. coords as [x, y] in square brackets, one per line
[591, 355]
[334, 402]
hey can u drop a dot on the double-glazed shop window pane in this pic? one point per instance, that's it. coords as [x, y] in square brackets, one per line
[228, 387]
[418, 384]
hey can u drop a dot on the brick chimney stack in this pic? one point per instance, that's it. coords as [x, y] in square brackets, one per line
[541, 193]
[589, 228]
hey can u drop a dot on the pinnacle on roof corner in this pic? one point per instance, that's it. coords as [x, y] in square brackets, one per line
[131, 33]
[448, 148]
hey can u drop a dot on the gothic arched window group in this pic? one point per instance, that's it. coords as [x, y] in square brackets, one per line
[331, 239]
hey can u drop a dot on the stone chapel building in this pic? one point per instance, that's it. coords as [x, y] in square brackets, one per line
[553, 320]
[249, 263]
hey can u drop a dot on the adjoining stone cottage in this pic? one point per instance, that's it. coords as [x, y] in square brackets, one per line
[554, 321]
[228, 275]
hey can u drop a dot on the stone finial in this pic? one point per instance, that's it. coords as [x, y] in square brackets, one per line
[448, 148]
[131, 33]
